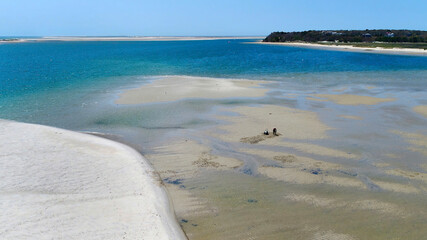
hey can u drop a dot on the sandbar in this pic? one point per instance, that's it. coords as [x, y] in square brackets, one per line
[351, 117]
[418, 141]
[173, 88]
[333, 203]
[291, 123]
[421, 110]
[58, 184]
[349, 99]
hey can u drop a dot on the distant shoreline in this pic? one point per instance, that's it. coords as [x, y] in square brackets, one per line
[95, 39]
[393, 51]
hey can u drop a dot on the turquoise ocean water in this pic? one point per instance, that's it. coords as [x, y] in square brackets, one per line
[41, 79]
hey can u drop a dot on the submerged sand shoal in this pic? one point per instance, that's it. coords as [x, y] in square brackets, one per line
[58, 184]
[173, 88]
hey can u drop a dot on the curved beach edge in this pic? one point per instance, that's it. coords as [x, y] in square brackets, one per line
[56, 183]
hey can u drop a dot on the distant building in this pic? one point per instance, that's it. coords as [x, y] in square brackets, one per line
[367, 35]
[389, 34]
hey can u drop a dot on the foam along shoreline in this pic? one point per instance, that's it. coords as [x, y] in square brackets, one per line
[174, 88]
[395, 51]
[128, 38]
[56, 183]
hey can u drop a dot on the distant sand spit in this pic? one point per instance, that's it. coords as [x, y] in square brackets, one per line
[58, 184]
[173, 88]
[124, 39]
[396, 51]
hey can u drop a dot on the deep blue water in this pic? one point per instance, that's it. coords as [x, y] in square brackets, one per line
[37, 79]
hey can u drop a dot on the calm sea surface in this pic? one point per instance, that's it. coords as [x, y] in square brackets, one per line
[38, 78]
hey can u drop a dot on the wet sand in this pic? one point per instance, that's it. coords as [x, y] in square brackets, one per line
[348, 99]
[351, 117]
[421, 110]
[250, 122]
[317, 179]
[418, 141]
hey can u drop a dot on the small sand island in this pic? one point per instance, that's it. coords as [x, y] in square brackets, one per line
[405, 42]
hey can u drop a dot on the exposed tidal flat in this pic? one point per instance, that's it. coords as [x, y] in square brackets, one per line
[323, 175]
[349, 161]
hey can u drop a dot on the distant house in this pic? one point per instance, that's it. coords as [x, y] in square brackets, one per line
[367, 35]
[389, 34]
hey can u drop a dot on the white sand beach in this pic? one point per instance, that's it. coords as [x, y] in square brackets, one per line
[398, 51]
[58, 184]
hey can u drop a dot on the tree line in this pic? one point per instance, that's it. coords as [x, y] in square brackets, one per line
[349, 36]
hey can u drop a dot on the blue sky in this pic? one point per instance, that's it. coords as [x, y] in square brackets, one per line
[203, 17]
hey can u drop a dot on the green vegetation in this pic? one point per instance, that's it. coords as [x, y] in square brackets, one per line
[357, 38]
[8, 39]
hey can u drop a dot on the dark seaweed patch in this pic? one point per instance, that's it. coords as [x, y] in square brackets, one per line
[175, 182]
[347, 173]
[315, 171]
[247, 171]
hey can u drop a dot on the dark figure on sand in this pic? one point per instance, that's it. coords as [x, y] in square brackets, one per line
[274, 131]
